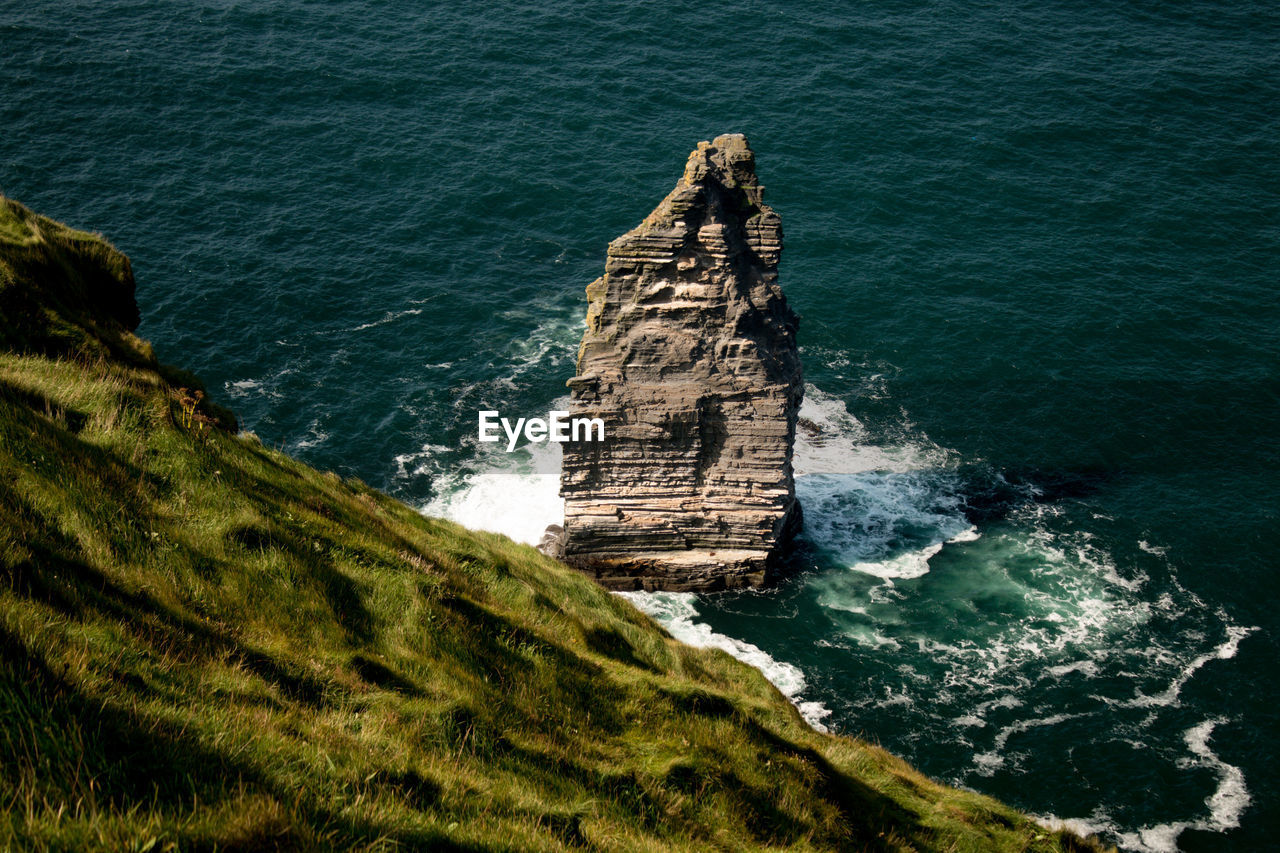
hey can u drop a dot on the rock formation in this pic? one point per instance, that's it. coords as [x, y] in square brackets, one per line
[690, 358]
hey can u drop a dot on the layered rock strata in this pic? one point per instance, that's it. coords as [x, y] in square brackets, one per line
[690, 359]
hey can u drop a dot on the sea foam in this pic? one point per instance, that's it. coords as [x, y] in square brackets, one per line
[516, 494]
[677, 612]
[1226, 805]
[882, 510]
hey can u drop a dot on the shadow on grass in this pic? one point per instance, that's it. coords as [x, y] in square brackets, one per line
[67, 740]
[81, 592]
[40, 404]
[341, 592]
[611, 643]
[862, 807]
[65, 747]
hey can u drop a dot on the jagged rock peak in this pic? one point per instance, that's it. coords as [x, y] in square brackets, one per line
[690, 359]
[721, 175]
[728, 158]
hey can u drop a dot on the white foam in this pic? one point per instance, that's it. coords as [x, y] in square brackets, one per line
[909, 564]
[1074, 550]
[1007, 701]
[315, 437]
[267, 386]
[1099, 824]
[988, 763]
[1155, 550]
[883, 511]
[883, 523]
[1071, 604]
[243, 387]
[676, 611]
[1226, 804]
[515, 494]
[1170, 695]
[893, 698]
[872, 638]
[419, 462]
[553, 341]
[1002, 737]
[1085, 667]
[839, 444]
[389, 317]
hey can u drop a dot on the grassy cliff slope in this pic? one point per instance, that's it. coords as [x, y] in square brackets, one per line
[205, 645]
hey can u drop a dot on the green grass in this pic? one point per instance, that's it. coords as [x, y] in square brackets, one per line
[205, 645]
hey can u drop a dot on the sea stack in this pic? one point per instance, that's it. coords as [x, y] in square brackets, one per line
[690, 359]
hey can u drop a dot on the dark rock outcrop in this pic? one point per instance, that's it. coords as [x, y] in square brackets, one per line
[63, 291]
[690, 358]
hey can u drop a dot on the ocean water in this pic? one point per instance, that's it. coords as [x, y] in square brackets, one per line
[1035, 250]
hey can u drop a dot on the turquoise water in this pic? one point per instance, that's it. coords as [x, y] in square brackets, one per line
[1035, 253]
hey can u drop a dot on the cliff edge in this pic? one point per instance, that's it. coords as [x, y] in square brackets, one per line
[690, 359]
